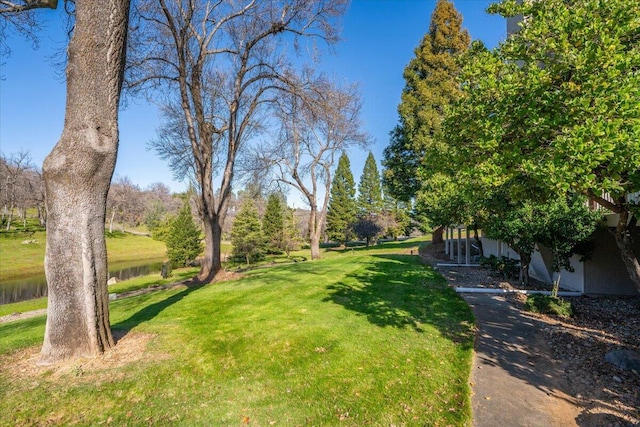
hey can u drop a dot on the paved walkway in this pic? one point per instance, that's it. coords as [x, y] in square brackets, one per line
[515, 381]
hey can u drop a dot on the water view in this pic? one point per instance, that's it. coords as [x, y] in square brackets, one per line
[36, 286]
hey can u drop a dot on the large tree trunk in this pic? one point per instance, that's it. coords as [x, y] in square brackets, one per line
[525, 262]
[437, 235]
[211, 263]
[77, 174]
[624, 241]
[314, 233]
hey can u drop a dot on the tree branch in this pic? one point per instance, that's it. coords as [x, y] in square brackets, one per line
[10, 7]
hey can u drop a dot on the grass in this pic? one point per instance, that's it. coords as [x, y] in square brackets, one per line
[368, 337]
[18, 259]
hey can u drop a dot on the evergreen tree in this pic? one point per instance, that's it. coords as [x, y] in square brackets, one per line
[431, 77]
[182, 238]
[291, 239]
[273, 224]
[247, 238]
[370, 189]
[397, 220]
[342, 204]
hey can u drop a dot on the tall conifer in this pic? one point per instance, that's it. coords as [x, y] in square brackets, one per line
[341, 212]
[370, 189]
[273, 223]
[431, 85]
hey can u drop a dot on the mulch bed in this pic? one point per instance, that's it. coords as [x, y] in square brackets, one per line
[609, 396]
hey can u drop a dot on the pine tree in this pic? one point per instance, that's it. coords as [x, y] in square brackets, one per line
[342, 209]
[273, 224]
[182, 238]
[291, 239]
[247, 238]
[370, 189]
[431, 85]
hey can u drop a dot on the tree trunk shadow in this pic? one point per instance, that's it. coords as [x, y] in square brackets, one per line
[122, 328]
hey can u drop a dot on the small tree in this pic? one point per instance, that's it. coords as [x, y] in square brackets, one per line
[370, 189]
[291, 239]
[518, 225]
[273, 224]
[341, 213]
[396, 218]
[183, 239]
[569, 226]
[247, 238]
[368, 228]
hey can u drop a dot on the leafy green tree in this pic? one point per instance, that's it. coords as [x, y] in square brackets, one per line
[369, 228]
[567, 232]
[247, 239]
[397, 220]
[342, 204]
[370, 189]
[273, 224]
[557, 104]
[515, 224]
[183, 239]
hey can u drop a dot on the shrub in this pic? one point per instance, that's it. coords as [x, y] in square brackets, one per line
[507, 267]
[547, 304]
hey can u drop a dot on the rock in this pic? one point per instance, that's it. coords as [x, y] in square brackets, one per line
[624, 359]
[617, 379]
[29, 242]
[112, 281]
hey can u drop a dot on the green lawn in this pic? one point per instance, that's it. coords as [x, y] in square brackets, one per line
[367, 337]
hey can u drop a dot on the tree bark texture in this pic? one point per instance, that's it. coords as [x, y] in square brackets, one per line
[437, 235]
[77, 175]
[314, 232]
[211, 263]
[624, 241]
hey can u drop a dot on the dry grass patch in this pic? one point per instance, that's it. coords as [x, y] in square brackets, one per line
[130, 348]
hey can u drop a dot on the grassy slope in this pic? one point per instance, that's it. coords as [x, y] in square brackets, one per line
[360, 338]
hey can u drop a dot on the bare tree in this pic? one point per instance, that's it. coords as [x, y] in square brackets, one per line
[15, 171]
[125, 203]
[19, 16]
[159, 204]
[220, 63]
[317, 124]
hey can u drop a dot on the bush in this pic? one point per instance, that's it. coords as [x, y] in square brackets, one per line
[507, 267]
[547, 304]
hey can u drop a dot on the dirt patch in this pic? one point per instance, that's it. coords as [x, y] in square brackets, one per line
[607, 395]
[130, 348]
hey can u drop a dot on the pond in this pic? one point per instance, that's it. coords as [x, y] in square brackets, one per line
[36, 286]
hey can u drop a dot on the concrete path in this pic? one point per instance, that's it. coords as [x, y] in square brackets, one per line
[514, 380]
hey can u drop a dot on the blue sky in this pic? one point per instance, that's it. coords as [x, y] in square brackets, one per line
[378, 40]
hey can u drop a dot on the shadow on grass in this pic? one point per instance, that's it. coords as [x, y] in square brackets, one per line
[150, 311]
[399, 292]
